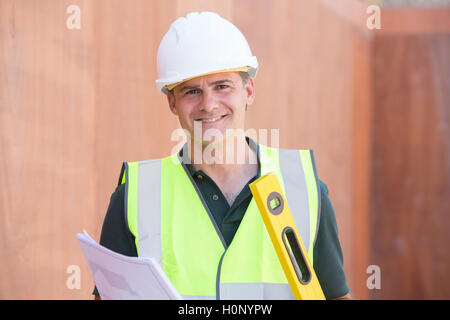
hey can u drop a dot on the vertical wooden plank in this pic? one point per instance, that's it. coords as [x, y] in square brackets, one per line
[46, 145]
[411, 166]
[223, 8]
[362, 108]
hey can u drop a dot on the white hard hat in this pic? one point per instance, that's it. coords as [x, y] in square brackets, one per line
[199, 44]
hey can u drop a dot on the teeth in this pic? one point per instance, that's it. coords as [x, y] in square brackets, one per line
[213, 119]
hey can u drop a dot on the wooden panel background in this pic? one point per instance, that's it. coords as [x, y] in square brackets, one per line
[74, 104]
[411, 166]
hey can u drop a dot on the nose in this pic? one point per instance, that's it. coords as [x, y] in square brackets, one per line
[208, 102]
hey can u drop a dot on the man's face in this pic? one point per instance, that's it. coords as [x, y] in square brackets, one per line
[217, 101]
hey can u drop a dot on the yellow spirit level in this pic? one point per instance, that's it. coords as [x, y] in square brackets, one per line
[285, 238]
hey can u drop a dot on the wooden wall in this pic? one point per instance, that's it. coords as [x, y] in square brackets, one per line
[401, 176]
[74, 104]
[410, 208]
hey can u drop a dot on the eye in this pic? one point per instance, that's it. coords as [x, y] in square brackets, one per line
[192, 92]
[222, 86]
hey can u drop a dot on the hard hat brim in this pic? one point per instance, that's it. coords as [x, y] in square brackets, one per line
[168, 84]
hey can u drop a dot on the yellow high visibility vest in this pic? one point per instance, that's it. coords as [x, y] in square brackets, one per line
[171, 222]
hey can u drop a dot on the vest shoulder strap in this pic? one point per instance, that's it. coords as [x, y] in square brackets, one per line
[301, 185]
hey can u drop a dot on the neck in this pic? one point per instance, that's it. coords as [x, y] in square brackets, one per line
[224, 158]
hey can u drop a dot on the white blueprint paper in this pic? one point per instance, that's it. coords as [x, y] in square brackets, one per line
[119, 277]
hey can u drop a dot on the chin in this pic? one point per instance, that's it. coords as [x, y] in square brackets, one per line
[214, 139]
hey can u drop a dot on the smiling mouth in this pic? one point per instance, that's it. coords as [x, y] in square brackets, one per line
[211, 120]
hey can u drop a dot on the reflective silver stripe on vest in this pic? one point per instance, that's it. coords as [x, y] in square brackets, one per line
[149, 209]
[255, 291]
[296, 191]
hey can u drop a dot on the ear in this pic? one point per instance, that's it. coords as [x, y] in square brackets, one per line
[171, 101]
[250, 90]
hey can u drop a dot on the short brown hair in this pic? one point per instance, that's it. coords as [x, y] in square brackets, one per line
[245, 76]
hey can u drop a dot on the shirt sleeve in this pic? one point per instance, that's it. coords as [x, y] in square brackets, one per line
[115, 234]
[328, 259]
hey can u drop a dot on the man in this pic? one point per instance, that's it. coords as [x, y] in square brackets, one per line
[193, 211]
